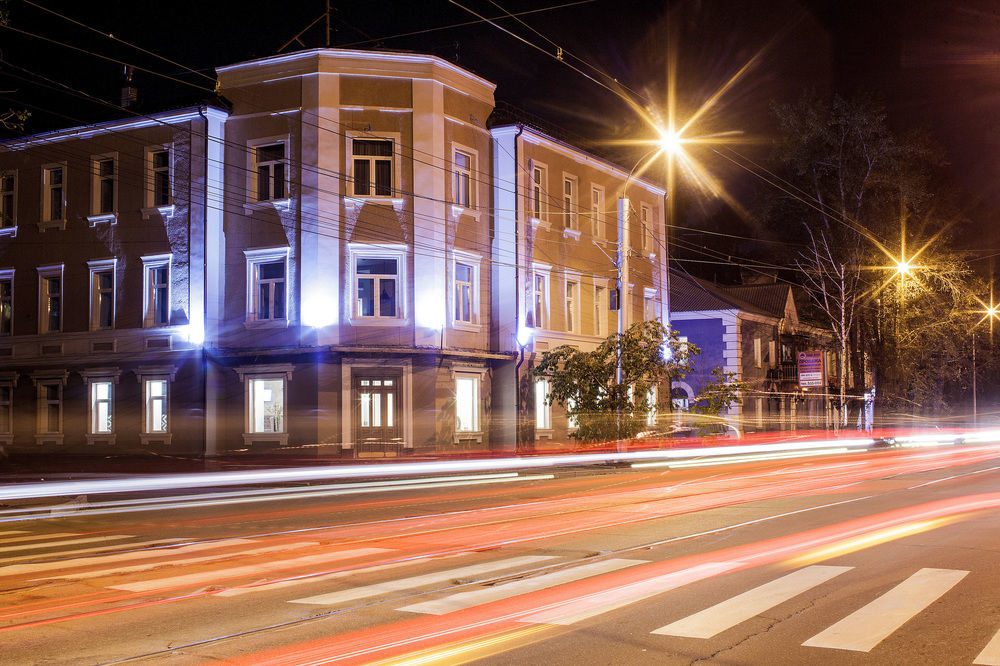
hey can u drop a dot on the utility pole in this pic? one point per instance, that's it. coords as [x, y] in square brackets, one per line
[975, 412]
[623, 298]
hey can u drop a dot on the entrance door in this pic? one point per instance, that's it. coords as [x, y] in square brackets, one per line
[377, 427]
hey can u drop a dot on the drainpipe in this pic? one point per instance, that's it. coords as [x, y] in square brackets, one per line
[204, 280]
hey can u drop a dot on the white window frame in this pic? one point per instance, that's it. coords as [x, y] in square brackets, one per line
[571, 202]
[572, 423]
[41, 420]
[247, 375]
[650, 309]
[7, 275]
[599, 228]
[94, 268]
[96, 179]
[474, 261]
[44, 274]
[646, 219]
[537, 191]
[151, 204]
[543, 410]
[150, 264]
[91, 378]
[154, 374]
[46, 220]
[254, 259]
[476, 376]
[379, 251]
[253, 146]
[458, 174]
[542, 297]
[394, 191]
[11, 195]
[601, 310]
[571, 311]
[651, 398]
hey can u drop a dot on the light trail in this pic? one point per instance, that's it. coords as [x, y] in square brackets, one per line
[708, 462]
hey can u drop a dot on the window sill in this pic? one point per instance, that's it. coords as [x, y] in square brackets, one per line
[466, 326]
[45, 225]
[468, 435]
[162, 211]
[543, 433]
[266, 323]
[458, 211]
[110, 218]
[146, 438]
[378, 321]
[282, 205]
[571, 233]
[250, 438]
[535, 222]
[49, 437]
[100, 438]
[356, 201]
[8, 231]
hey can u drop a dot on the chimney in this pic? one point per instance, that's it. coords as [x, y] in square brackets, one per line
[130, 94]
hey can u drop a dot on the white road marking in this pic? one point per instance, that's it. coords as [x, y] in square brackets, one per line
[353, 593]
[506, 590]
[173, 562]
[64, 542]
[742, 607]
[990, 656]
[248, 570]
[591, 605]
[870, 625]
[14, 569]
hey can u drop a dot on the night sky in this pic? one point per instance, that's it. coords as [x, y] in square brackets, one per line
[935, 64]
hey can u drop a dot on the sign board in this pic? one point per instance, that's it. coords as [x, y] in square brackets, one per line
[811, 369]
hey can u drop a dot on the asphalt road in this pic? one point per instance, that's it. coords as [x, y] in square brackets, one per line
[873, 557]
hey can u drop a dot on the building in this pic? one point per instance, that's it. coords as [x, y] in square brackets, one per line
[336, 260]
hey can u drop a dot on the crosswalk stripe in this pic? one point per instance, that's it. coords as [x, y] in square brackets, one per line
[591, 605]
[37, 537]
[250, 569]
[475, 597]
[353, 593]
[990, 656]
[64, 542]
[729, 613]
[870, 625]
[132, 554]
[174, 562]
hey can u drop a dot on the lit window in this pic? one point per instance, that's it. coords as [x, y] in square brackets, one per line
[155, 397]
[6, 302]
[49, 407]
[376, 287]
[570, 220]
[756, 353]
[8, 199]
[53, 194]
[102, 298]
[158, 177]
[597, 211]
[651, 404]
[467, 403]
[646, 215]
[538, 178]
[101, 407]
[649, 305]
[50, 299]
[104, 181]
[463, 179]
[267, 283]
[600, 311]
[372, 167]
[267, 404]
[269, 171]
[572, 422]
[543, 411]
[541, 295]
[572, 306]
[156, 299]
[464, 294]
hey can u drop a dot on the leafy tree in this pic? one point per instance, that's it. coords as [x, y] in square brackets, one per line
[586, 384]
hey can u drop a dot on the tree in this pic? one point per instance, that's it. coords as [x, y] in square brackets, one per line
[587, 384]
[11, 119]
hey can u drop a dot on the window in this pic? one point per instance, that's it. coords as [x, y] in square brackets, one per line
[376, 287]
[541, 300]
[543, 411]
[6, 408]
[50, 299]
[467, 403]
[572, 422]
[651, 404]
[155, 398]
[600, 311]
[771, 357]
[756, 353]
[646, 215]
[8, 199]
[267, 295]
[463, 179]
[156, 298]
[104, 185]
[49, 407]
[464, 295]
[538, 178]
[53, 193]
[267, 404]
[649, 304]
[372, 167]
[102, 294]
[597, 211]
[6, 301]
[101, 406]
[570, 208]
[572, 306]
[269, 171]
[158, 190]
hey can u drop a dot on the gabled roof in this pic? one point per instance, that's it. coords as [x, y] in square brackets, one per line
[772, 297]
[690, 294]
